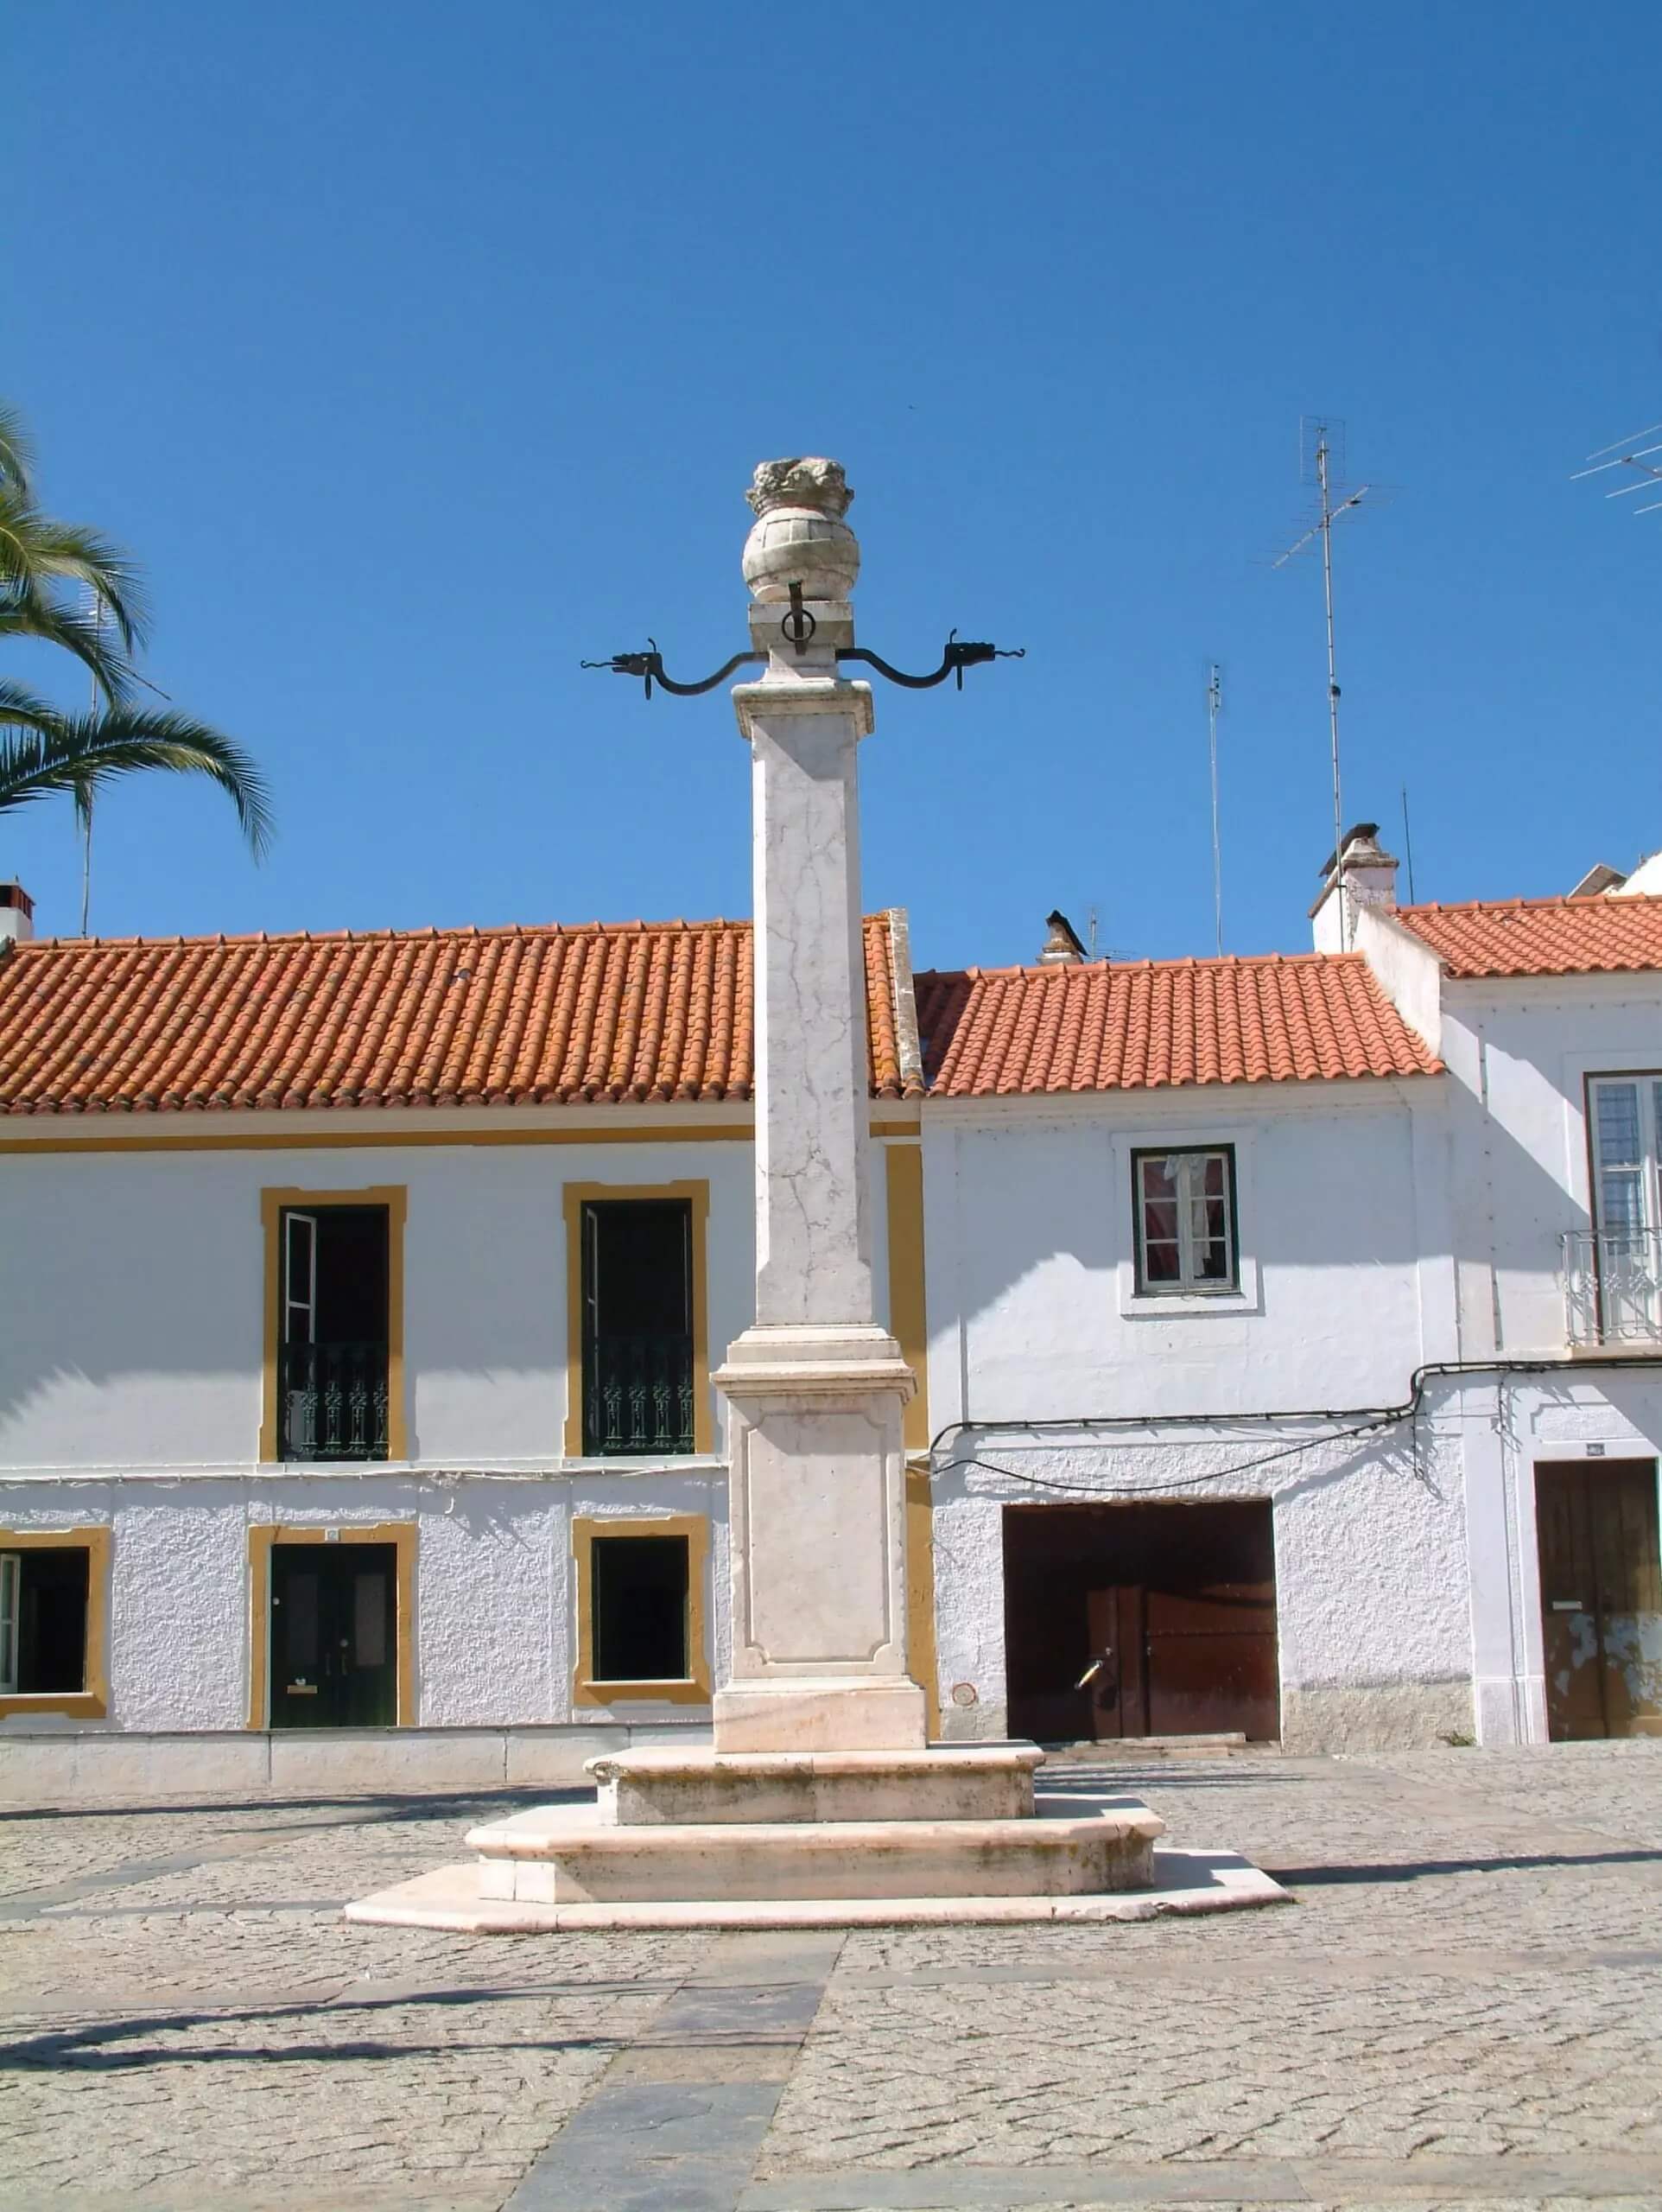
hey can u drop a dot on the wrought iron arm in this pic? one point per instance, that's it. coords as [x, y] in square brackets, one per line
[649, 666]
[958, 655]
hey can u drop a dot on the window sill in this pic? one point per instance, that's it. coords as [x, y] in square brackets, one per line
[1140, 1304]
[689, 1691]
[645, 1462]
[74, 1704]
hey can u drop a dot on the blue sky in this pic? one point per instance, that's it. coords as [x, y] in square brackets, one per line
[421, 352]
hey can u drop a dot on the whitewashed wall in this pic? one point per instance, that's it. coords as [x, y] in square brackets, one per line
[495, 1585]
[1520, 1050]
[1033, 1310]
[135, 1338]
[1374, 1639]
[130, 1379]
[1345, 1288]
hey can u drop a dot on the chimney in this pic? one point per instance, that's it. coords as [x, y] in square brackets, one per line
[1645, 882]
[1370, 880]
[1062, 949]
[17, 914]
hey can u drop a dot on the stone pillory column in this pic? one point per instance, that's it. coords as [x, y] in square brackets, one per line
[816, 1387]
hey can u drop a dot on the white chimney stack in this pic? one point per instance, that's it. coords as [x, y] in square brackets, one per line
[1062, 947]
[17, 914]
[1369, 875]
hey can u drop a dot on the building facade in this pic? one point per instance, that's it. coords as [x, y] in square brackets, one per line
[1287, 1333]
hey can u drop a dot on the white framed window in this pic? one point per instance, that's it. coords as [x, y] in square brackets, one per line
[1626, 1145]
[1184, 1210]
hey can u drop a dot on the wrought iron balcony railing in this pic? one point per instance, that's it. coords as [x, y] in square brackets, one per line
[334, 1401]
[1613, 1286]
[637, 1396]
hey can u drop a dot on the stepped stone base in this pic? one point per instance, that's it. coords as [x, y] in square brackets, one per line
[569, 1854]
[662, 1786]
[448, 1901]
[700, 1838]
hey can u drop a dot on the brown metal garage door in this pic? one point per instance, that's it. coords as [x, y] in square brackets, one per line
[1140, 1620]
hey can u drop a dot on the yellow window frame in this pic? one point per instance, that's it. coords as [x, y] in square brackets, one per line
[92, 1701]
[577, 1196]
[394, 1197]
[693, 1688]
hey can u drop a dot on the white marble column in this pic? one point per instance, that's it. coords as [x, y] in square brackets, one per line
[814, 1387]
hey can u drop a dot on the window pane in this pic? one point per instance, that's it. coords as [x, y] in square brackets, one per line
[295, 1627]
[1214, 1263]
[1622, 1201]
[1160, 1220]
[1618, 1124]
[1214, 1168]
[8, 1620]
[1160, 1263]
[1157, 1183]
[638, 1587]
[51, 1630]
[637, 1327]
[370, 1619]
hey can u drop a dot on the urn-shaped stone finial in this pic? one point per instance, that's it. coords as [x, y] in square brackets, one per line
[799, 535]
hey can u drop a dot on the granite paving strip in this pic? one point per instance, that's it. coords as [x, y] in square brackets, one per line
[676, 2122]
[1358, 2185]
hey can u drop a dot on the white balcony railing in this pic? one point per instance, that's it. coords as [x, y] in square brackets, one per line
[1613, 1286]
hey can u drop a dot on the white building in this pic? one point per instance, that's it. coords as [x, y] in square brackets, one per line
[354, 1405]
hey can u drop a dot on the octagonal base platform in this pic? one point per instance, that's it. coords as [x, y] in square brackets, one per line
[449, 1900]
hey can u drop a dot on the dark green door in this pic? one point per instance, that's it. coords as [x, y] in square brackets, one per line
[334, 1634]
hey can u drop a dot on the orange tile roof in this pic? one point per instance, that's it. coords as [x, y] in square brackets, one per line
[1541, 936]
[642, 1013]
[1015, 1032]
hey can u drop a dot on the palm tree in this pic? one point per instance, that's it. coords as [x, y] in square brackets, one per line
[44, 750]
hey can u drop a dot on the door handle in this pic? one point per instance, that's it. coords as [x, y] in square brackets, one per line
[1096, 1667]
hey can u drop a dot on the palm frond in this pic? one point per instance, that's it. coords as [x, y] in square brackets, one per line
[41, 754]
[38, 552]
[16, 450]
[25, 613]
[21, 710]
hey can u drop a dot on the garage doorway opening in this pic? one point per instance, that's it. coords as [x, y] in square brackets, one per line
[1126, 1621]
[1601, 1597]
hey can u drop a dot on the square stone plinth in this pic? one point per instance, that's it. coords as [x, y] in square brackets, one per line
[948, 1781]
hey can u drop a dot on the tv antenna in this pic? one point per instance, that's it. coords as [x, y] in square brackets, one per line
[1214, 709]
[1634, 455]
[1318, 441]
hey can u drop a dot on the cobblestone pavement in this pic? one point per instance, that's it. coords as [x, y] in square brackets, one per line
[1464, 2008]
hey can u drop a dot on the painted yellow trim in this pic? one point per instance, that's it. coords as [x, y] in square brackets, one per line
[908, 1326]
[92, 1701]
[577, 1195]
[358, 1140]
[696, 1527]
[394, 1198]
[262, 1537]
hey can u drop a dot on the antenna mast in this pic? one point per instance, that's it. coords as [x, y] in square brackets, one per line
[1214, 709]
[1630, 453]
[1327, 515]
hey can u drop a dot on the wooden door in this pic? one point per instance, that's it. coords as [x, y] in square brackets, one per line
[333, 1635]
[1601, 1597]
[1124, 1621]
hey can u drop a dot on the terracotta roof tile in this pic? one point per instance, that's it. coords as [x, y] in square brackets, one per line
[1542, 937]
[1017, 1031]
[642, 1013]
